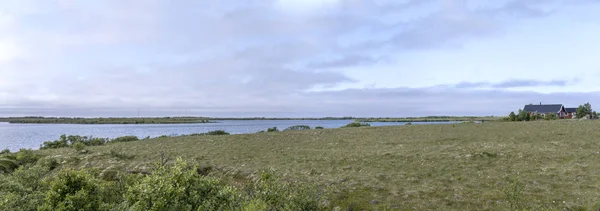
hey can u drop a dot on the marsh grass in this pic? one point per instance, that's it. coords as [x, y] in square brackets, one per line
[547, 165]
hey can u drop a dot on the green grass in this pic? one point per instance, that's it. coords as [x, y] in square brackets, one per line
[548, 165]
[432, 119]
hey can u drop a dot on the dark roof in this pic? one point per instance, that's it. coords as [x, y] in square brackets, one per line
[549, 108]
[571, 110]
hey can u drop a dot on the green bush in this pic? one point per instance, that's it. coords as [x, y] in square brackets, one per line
[298, 127]
[550, 117]
[79, 146]
[124, 139]
[7, 165]
[268, 191]
[272, 129]
[26, 156]
[217, 132]
[10, 162]
[512, 116]
[49, 163]
[24, 189]
[176, 187]
[95, 141]
[5, 151]
[66, 141]
[181, 188]
[319, 128]
[211, 133]
[357, 124]
[73, 190]
[54, 144]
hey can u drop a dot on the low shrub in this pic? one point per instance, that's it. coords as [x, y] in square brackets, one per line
[181, 188]
[66, 141]
[7, 165]
[10, 162]
[357, 124]
[267, 191]
[168, 187]
[24, 189]
[79, 146]
[26, 156]
[54, 144]
[298, 127]
[5, 151]
[73, 190]
[319, 128]
[217, 133]
[272, 129]
[124, 139]
[95, 141]
[211, 133]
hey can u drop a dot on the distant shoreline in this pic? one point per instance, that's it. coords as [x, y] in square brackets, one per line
[201, 120]
[110, 120]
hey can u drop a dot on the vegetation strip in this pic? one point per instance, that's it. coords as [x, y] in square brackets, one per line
[193, 120]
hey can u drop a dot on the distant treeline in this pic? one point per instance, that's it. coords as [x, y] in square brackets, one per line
[109, 120]
[141, 120]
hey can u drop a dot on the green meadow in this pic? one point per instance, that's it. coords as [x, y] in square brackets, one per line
[543, 165]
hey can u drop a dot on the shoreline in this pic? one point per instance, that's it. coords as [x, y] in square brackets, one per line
[203, 120]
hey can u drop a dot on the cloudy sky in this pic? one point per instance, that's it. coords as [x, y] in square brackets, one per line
[296, 57]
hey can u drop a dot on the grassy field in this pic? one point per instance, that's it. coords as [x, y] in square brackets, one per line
[547, 165]
[432, 119]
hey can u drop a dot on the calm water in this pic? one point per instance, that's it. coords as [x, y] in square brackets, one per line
[16, 136]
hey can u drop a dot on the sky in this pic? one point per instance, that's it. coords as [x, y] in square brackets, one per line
[296, 58]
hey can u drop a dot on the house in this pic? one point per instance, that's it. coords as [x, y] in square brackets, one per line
[545, 109]
[571, 112]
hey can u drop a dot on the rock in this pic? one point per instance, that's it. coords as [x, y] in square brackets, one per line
[373, 202]
[347, 167]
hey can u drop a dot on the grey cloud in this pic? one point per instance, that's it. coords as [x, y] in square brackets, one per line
[454, 23]
[513, 84]
[530, 83]
[345, 61]
[467, 85]
[524, 8]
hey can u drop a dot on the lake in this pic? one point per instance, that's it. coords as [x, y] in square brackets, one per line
[16, 136]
